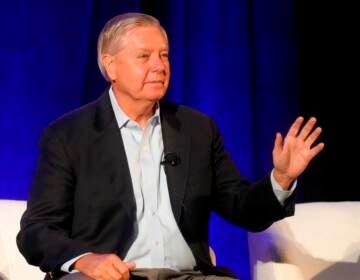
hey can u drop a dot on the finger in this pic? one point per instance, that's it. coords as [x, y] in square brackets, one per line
[106, 273]
[113, 273]
[317, 149]
[124, 272]
[109, 274]
[278, 143]
[295, 127]
[313, 136]
[307, 128]
[121, 267]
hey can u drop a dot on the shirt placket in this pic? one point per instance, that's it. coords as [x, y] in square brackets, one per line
[150, 189]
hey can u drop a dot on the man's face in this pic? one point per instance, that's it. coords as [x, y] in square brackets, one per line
[141, 68]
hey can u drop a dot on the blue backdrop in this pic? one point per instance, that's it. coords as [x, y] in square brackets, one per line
[234, 60]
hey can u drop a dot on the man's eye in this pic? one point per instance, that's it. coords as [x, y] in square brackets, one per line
[165, 55]
[144, 55]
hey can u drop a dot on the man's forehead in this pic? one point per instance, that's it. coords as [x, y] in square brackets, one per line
[146, 37]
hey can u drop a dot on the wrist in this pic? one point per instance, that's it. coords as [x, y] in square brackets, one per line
[283, 180]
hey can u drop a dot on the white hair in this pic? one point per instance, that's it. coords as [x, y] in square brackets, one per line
[111, 36]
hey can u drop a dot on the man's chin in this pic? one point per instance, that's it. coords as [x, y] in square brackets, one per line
[156, 96]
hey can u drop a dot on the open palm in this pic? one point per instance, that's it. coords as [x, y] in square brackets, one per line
[292, 155]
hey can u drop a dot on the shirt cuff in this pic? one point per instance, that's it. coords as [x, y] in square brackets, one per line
[279, 192]
[66, 266]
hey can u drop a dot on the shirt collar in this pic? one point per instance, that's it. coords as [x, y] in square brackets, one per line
[122, 119]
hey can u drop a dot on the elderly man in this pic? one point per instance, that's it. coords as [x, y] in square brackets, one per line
[124, 186]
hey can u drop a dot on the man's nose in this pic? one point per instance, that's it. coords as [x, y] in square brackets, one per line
[158, 63]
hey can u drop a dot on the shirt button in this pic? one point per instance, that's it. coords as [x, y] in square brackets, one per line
[156, 243]
[146, 148]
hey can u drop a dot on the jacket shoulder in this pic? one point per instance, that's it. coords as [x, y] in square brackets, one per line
[98, 113]
[81, 115]
[186, 114]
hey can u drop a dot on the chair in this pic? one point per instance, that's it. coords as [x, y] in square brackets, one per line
[321, 242]
[13, 266]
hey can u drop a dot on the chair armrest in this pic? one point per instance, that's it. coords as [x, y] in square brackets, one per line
[277, 271]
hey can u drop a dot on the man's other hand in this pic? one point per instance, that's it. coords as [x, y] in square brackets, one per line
[104, 267]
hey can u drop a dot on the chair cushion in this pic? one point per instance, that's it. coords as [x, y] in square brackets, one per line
[328, 231]
[12, 264]
[322, 239]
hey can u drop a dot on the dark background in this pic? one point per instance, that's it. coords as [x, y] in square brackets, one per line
[329, 89]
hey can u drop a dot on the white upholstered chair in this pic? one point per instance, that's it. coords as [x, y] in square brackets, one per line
[321, 242]
[13, 266]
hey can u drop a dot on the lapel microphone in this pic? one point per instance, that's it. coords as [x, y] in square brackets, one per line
[171, 158]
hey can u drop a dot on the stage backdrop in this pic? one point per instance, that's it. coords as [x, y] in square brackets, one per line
[234, 60]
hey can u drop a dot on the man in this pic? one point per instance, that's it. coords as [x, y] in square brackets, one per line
[124, 186]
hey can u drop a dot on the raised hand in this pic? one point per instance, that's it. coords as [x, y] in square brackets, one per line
[292, 155]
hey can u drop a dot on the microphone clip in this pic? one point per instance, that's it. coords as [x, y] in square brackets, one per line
[172, 159]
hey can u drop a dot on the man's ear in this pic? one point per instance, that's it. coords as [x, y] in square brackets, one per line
[108, 63]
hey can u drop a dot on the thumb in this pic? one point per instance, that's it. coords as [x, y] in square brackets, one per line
[130, 265]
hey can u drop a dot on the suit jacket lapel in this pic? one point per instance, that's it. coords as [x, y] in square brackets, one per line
[176, 141]
[109, 145]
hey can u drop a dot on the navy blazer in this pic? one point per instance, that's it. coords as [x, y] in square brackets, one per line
[81, 199]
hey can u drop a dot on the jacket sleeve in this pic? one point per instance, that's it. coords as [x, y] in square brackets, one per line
[45, 226]
[252, 206]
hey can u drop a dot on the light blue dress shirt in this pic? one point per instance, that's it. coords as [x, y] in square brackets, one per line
[159, 242]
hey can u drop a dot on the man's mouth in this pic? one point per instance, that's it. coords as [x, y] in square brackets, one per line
[155, 82]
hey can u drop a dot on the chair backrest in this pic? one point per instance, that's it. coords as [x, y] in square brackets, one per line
[321, 242]
[13, 266]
